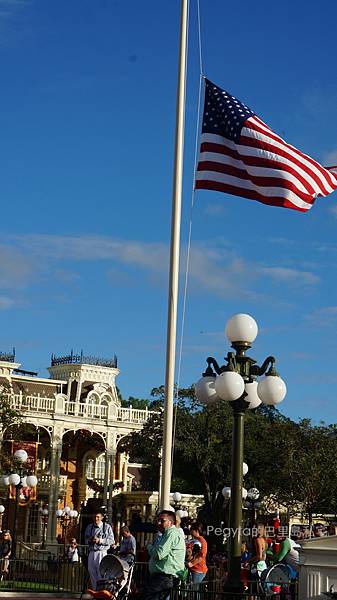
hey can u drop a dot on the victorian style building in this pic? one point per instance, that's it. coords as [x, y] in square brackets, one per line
[76, 422]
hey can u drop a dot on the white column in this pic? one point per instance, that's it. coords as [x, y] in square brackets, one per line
[125, 474]
[56, 451]
[106, 478]
[78, 395]
[121, 456]
[111, 482]
[110, 456]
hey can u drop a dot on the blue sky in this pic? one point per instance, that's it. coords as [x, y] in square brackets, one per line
[87, 132]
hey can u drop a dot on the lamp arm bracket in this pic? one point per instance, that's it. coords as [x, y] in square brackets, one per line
[211, 361]
[231, 365]
[270, 361]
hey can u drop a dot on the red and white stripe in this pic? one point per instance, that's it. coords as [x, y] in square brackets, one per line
[262, 166]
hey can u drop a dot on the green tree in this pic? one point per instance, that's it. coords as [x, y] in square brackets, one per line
[292, 463]
[9, 417]
[309, 482]
[10, 424]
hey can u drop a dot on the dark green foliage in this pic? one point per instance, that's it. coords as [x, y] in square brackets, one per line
[294, 463]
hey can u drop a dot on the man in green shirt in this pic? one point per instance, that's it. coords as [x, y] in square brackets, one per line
[167, 558]
[289, 554]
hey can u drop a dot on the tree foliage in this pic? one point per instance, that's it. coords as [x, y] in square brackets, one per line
[10, 424]
[10, 419]
[293, 463]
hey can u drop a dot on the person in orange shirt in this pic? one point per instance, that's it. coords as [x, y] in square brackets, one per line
[197, 564]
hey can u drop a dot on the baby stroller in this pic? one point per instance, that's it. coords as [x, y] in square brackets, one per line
[275, 582]
[116, 579]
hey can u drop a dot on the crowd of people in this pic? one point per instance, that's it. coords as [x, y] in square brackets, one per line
[181, 553]
[174, 555]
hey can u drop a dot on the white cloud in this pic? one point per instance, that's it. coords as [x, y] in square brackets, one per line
[5, 303]
[90, 247]
[10, 14]
[291, 276]
[333, 211]
[16, 268]
[214, 268]
[330, 159]
[214, 210]
[326, 316]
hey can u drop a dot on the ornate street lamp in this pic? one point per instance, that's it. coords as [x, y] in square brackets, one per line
[19, 480]
[66, 517]
[236, 382]
[176, 497]
[44, 512]
[252, 502]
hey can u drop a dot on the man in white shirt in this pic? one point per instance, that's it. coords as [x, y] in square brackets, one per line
[99, 537]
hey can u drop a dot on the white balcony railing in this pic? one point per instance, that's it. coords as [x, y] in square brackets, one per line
[60, 405]
[38, 403]
[133, 415]
[44, 483]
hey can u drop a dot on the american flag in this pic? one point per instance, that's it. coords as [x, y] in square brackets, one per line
[241, 155]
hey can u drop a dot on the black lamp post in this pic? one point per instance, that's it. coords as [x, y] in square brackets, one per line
[236, 382]
[252, 503]
[66, 517]
[44, 512]
[19, 479]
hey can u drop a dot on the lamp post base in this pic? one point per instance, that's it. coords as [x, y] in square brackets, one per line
[234, 590]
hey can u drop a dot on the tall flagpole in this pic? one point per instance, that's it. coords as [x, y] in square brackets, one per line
[174, 265]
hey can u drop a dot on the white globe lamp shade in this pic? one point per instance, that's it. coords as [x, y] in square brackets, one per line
[176, 496]
[244, 469]
[229, 386]
[75, 514]
[241, 328]
[171, 508]
[31, 481]
[226, 492]
[253, 494]
[2, 509]
[67, 510]
[180, 513]
[185, 514]
[205, 390]
[24, 481]
[5, 480]
[59, 512]
[45, 512]
[272, 390]
[244, 493]
[14, 479]
[71, 514]
[252, 397]
[21, 455]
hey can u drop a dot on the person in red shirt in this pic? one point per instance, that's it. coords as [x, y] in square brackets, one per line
[197, 564]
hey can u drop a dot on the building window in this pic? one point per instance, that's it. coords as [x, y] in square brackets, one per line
[100, 467]
[95, 468]
[90, 468]
[93, 398]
